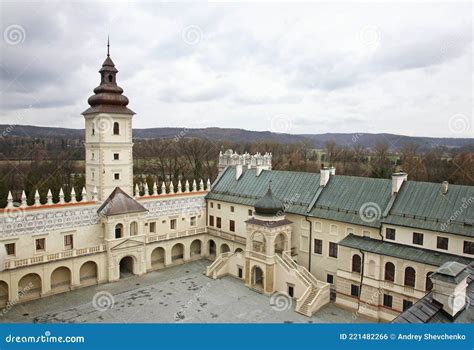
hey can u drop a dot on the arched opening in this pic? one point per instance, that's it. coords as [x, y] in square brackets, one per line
[3, 293]
[116, 128]
[280, 243]
[177, 253]
[111, 78]
[118, 231]
[239, 250]
[195, 248]
[30, 287]
[429, 283]
[410, 277]
[211, 248]
[389, 272]
[126, 267]
[225, 248]
[158, 258]
[133, 228]
[258, 243]
[60, 279]
[88, 273]
[257, 277]
[356, 263]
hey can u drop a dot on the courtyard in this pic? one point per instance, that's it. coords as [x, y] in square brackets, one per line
[177, 294]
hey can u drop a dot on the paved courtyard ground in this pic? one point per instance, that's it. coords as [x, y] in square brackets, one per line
[178, 294]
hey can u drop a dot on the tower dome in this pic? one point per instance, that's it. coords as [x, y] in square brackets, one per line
[269, 205]
[108, 96]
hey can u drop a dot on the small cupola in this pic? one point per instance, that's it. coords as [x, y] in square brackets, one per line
[269, 205]
[108, 96]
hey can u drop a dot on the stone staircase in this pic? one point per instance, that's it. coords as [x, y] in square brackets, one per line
[317, 293]
[212, 270]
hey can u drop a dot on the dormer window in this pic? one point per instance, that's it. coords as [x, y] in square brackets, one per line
[116, 128]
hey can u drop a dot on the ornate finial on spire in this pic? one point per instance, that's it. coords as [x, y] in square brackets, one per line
[108, 46]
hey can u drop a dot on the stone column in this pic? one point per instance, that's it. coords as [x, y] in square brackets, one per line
[269, 279]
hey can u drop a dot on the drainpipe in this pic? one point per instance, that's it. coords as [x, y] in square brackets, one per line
[362, 263]
[310, 241]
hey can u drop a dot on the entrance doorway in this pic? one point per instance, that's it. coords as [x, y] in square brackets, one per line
[257, 277]
[126, 267]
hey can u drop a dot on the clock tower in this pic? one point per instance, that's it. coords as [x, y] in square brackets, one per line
[108, 139]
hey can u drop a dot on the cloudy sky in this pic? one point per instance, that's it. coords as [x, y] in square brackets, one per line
[295, 67]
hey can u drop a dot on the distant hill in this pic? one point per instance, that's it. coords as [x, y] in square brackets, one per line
[241, 135]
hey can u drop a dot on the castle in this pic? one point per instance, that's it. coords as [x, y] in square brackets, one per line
[375, 246]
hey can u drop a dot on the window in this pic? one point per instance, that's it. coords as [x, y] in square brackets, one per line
[218, 206]
[92, 156]
[390, 233]
[410, 276]
[333, 250]
[442, 243]
[133, 228]
[354, 290]
[417, 238]
[152, 227]
[468, 247]
[192, 221]
[93, 130]
[68, 242]
[407, 304]
[387, 300]
[330, 278]
[318, 227]
[173, 224]
[10, 247]
[118, 230]
[116, 156]
[389, 272]
[211, 220]
[116, 128]
[333, 229]
[291, 291]
[250, 212]
[240, 272]
[231, 225]
[231, 208]
[218, 222]
[111, 79]
[318, 246]
[356, 263]
[40, 244]
[212, 205]
[117, 176]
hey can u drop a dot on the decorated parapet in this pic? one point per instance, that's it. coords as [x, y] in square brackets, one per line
[258, 160]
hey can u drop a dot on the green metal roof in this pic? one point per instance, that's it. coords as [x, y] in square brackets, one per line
[344, 197]
[294, 189]
[417, 205]
[425, 256]
[423, 205]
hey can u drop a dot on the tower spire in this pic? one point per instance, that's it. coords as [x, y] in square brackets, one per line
[108, 46]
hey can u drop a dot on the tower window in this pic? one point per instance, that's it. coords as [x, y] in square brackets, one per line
[111, 79]
[116, 128]
[93, 131]
[116, 156]
[117, 176]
